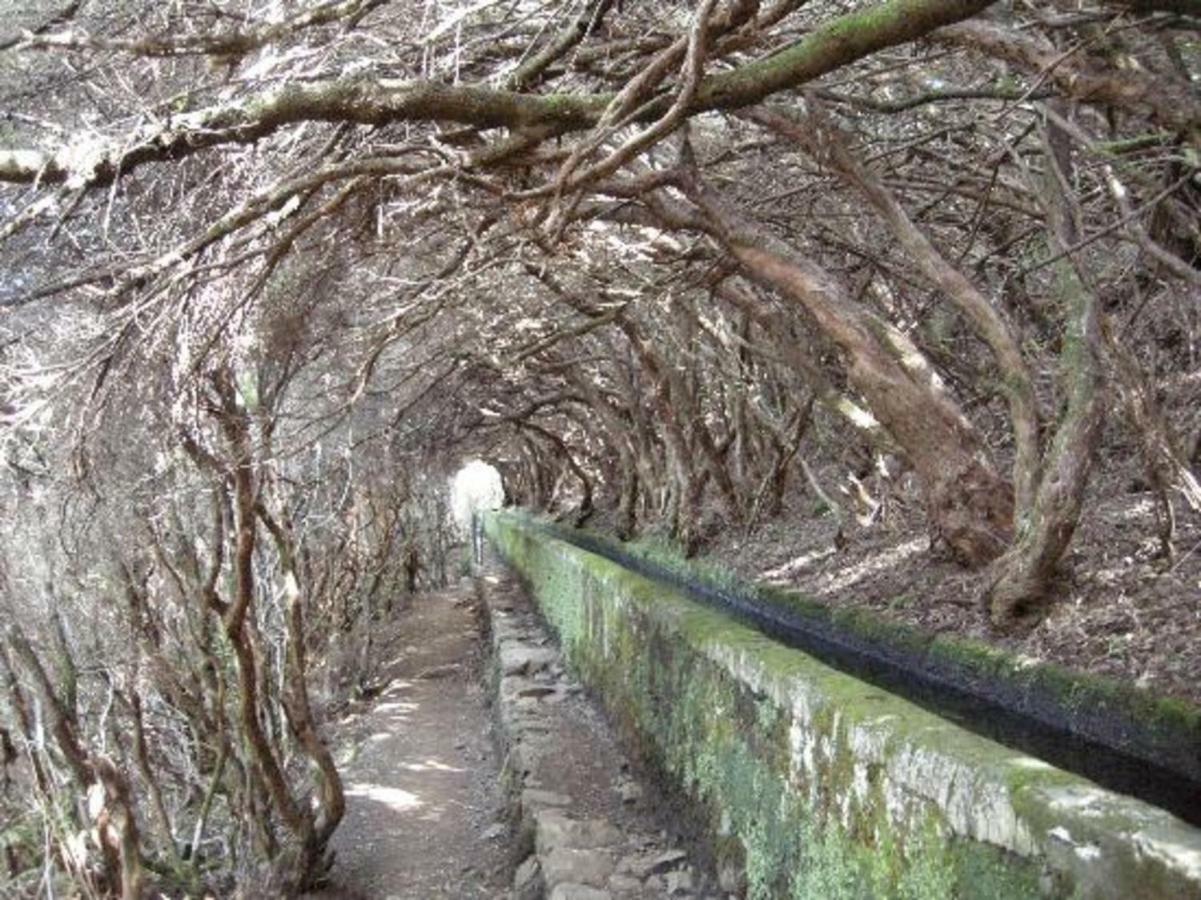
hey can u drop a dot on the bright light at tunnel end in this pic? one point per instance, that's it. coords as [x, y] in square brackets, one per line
[474, 488]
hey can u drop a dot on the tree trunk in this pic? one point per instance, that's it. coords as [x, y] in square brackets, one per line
[627, 507]
[798, 360]
[585, 509]
[1023, 576]
[1167, 467]
[969, 505]
[685, 500]
[827, 144]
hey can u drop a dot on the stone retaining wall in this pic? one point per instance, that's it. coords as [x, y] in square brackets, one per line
[587, 829]
[824, 786]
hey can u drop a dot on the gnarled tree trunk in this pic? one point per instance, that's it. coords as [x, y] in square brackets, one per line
[1024, 574]
[970, 506]
[825, 141]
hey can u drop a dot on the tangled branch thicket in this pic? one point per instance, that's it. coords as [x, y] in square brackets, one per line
[271, 269]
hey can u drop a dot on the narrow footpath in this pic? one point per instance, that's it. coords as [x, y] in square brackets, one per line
[425, 813]
[453, 793]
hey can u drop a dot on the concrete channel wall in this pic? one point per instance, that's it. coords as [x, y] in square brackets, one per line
[824, 786]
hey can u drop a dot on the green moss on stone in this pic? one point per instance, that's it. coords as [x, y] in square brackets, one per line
[1168, 722]
[728, 741]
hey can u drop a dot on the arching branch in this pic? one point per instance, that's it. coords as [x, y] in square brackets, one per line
[93, 162]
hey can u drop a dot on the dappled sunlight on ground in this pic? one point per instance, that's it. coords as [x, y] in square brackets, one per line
[392, 797]
[395, 706]
[421, 775]
[792, 568]
[1120, 607]
[431, 765]
[392, 714]
[888, 558]
[845, 576]
[1135, 512]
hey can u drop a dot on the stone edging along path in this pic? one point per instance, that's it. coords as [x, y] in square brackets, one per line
[587, 828]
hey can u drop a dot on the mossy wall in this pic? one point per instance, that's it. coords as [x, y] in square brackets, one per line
[1134, 724]
[825, 786]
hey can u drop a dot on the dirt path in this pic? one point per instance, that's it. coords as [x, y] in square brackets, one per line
[423, 804]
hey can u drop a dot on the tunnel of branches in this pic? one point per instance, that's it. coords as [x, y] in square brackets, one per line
[274, 271]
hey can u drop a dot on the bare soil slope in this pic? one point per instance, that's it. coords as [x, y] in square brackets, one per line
[1121, 610]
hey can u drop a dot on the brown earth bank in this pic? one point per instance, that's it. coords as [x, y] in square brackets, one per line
[1121, 610]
